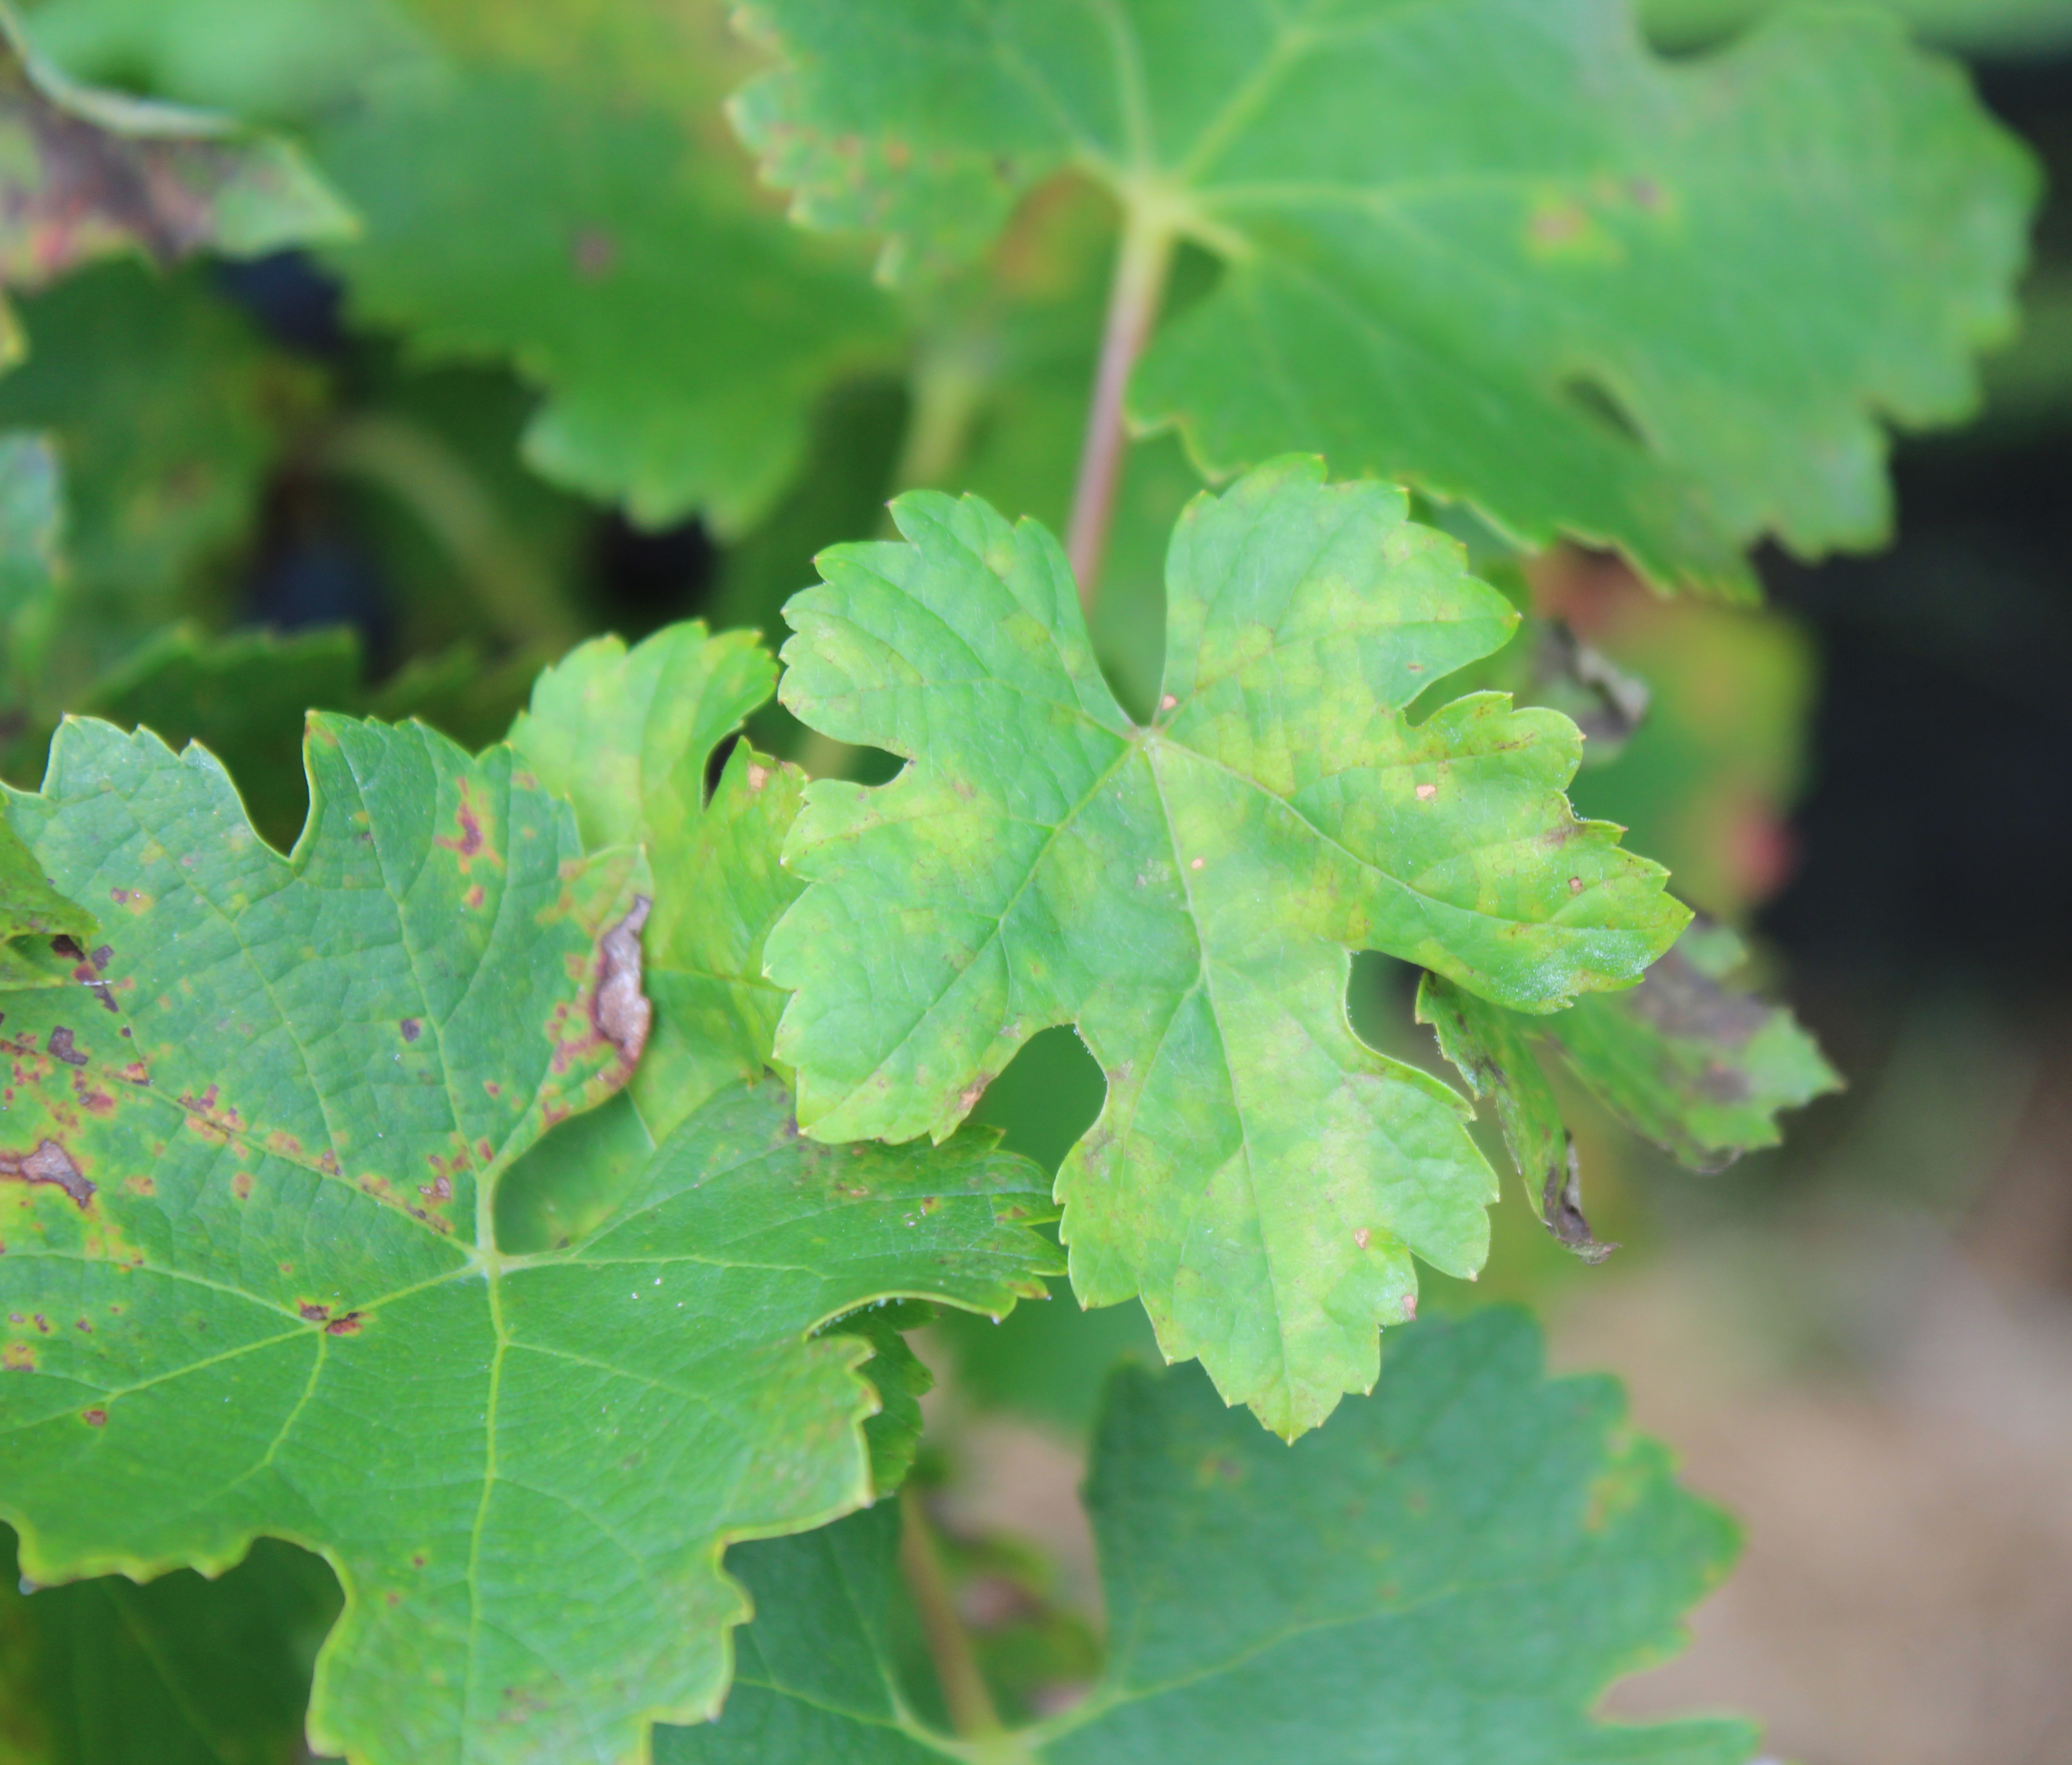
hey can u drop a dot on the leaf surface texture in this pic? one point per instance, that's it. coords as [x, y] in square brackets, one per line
[248, 1199]
[1497, 247]
[1187, 894]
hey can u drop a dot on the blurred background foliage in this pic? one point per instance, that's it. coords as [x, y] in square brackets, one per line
[397, 475]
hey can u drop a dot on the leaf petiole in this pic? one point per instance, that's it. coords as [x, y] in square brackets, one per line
[1142, 261]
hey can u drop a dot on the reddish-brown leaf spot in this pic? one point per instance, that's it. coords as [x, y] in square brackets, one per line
[49, 1163]
[60, 1047]
[314, 1312]
[618, 1009]
[411, 1029]
[240, 1184]
[94, 1419]
[347, 1325]
[595, 254]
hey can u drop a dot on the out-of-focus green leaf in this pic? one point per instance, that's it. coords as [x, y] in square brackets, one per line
[31, 563]
[1979, 26]
[31, 908]
[246, 696]
[167, 411]
[1489, 1047]
[272, 61]
[1495, 248]
[1707, 780]
[901, 1379]
[1700, 1067]
[1453, 1571]
[243, 697]
[1188, 894]
[88, 173]
[669, 387]
[249, 1235]
[179, 1671]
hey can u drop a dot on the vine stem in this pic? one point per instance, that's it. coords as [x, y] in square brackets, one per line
[965, 1695]
[1141, 266]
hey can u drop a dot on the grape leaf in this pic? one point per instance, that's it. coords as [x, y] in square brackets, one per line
[1454, 1570]
[89, 173]
[628, 736]
[179, 1672]
[31, 908]
[1982, 27]
[277, 61]
[242, 696]
[247, 1205]
[1489, 1045]
[1495, 248]
[1698, 1067]
[31, 517]
[1188, 894]
[669, 387]
[245, 695]
[901, 1379]
[168, 410]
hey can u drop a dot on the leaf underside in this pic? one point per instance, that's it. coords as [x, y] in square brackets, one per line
[1188, 894]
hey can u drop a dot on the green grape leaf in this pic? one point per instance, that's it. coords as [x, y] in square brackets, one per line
[242, 696]
[1490, 1046]
[168, 411]
[247, 1204]
[1982, 27]
[31, 908]
[628, 736]
[1188, 894]
[246, 696]
[1498, 248]
[280, 61]
[1699, 1067]
[31, 562]
[181, 1671]
[1453, 1572]
[673, 389]
[901, 1379]
[88, 173]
